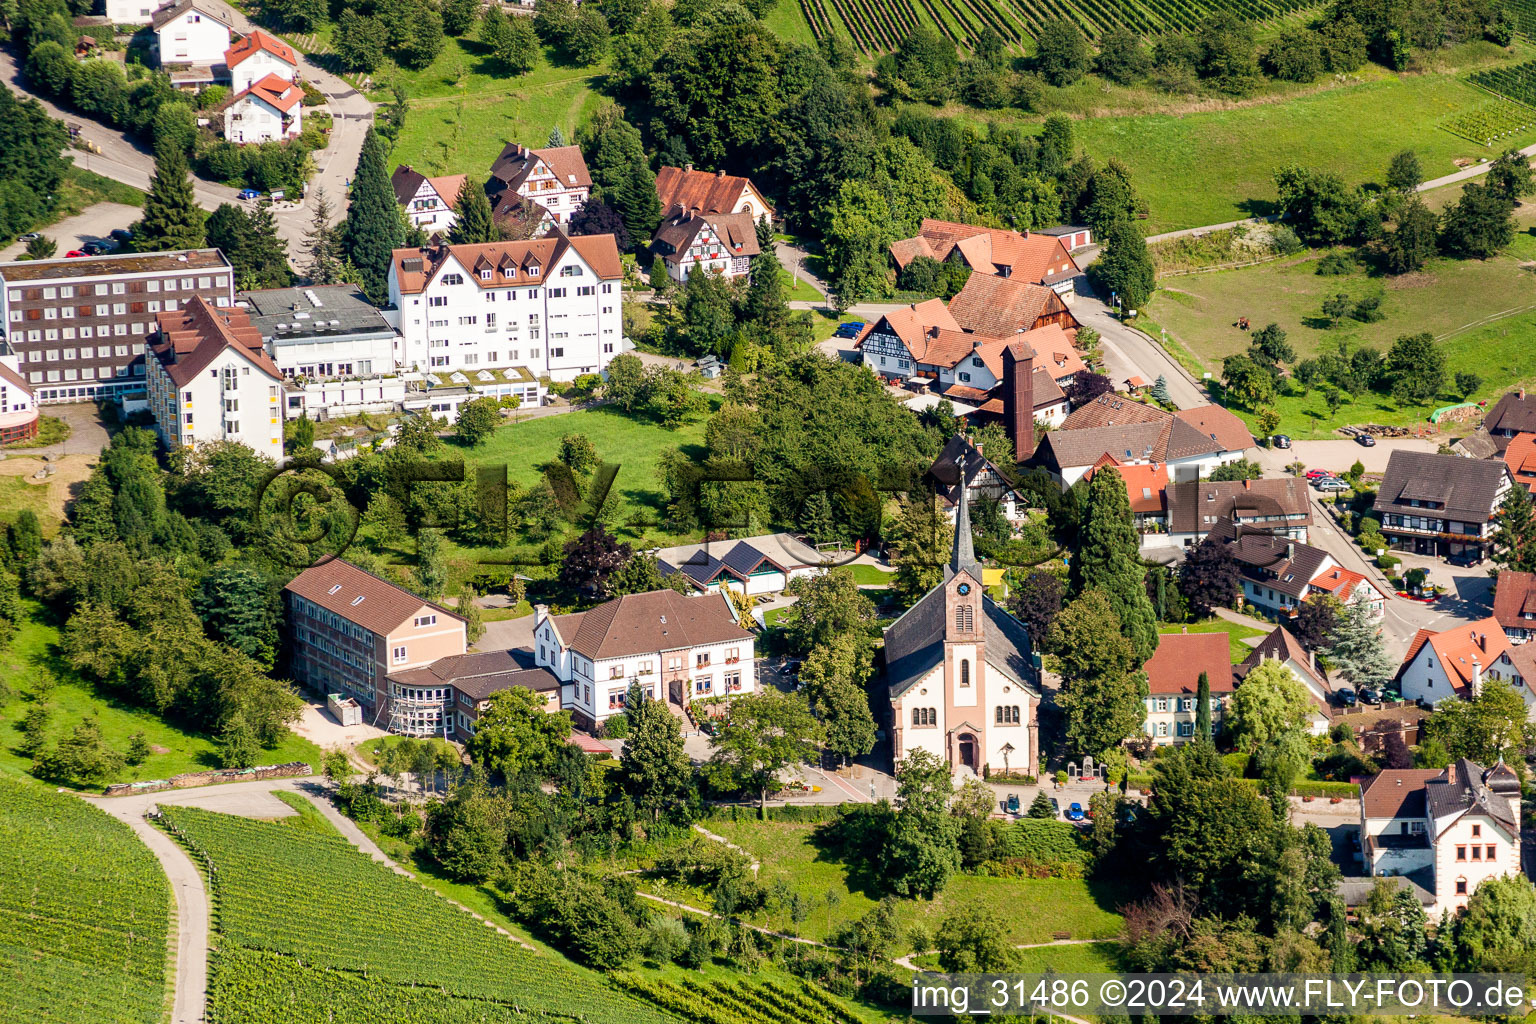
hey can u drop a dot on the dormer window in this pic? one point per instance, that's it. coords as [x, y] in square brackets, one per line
[485, 275]
[509, 272]
[533, 271]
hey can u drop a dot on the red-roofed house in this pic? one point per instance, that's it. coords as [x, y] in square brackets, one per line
[1520, 457]
[428, 202]
[1350, 588]
[1514, 605]
[554, 179]
[210, 379]
[1033, 257]
[681, 189]
[680, 649]
[721, 243]
[1173, 679]
[1146, 485]
[270, 110]
[255, 56]
[1456, 661]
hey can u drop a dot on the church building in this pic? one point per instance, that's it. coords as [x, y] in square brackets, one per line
[963, 676]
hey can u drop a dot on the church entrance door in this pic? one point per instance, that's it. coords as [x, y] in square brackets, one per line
[968, 751]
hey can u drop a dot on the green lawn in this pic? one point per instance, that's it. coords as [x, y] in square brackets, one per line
[1095, 958]
[370, 750]
[1236, 633]
[465, 108]
[1033, 908]
[863, 573]
[33, 655]
[1482, 312]
[1208, 167]
[799, 290]
[83, 189]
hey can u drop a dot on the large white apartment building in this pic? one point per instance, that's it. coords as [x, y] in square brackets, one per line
[679, 649]
[552, 304]
[78, 326]
[210, 380]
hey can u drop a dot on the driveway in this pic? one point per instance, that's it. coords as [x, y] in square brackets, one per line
[508, 635]
[1129, 352]
[87, 433]
[93, 225]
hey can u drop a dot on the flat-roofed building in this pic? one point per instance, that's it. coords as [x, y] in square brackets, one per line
[78, 326]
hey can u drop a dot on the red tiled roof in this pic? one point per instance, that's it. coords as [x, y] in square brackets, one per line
[1396, 792]
[1342, 582]
[1483, 641]
[688, 189]
[275, 92]
[249, 45]
[1146, 483]
[360, 597]
[1181, 657]
[912, 324]
[1219, 425]
[193, 336]
[414, 268]
[661, 620]
[1520, 457]
[1027, 256]
[1514, 596]
[1000, 306]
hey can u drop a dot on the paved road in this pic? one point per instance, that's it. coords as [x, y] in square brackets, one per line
[1129, 352]
[130, 160]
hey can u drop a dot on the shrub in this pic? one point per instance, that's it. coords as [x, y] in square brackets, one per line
[1037, 842]
[1386, 562]
[1335, 264]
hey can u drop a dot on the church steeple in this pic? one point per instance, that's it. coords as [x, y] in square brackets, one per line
[964, 554]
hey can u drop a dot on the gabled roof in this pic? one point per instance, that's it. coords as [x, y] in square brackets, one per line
[1193, 505]
[1282, 645]
[1045, 393]
[1342, 582]
[193, 336]
[276, 92]
[744, 560]
[1288, 566]
[1146, 483]
[660, 620]
[416, 268]
[1175, 666]
[1112, 410]
[1477, 445]
[1000, 306]
[1065, 449]
[915, 324]
[683, 188]
[566, 163]
[360, 597]
[1457, 648]
[12, 378]
[1396, 792]
[914, 643]
[208, 8]
[1514, 412]
[255, 42]
[1465, 788]
[1514, 596]
[1030, 256]
[1218, 424]
[1465, 487]
[1051, 349]
[407, 182]
[735, 231]
[946, 468]
[1520, 457]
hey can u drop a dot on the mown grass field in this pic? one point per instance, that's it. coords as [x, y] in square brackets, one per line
[465, 108]
[1201, 168]
[84, 913]
[1483, 314]
[33, 655]
[1236, 634]
[1035, 909]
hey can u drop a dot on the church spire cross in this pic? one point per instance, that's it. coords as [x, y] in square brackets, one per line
[964, 555]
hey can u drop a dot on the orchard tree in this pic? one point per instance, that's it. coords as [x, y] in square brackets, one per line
[477, 421]
[1479, 224]
[1416, 366]
[1404, 173]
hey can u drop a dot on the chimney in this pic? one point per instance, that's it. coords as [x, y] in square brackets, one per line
[720, 174]
[1450, 773]
[1482, 642]
[1312, 661]
[1477, 677]
[1290, 549]
[1520, 394]
[1019, 401]
[977, 446]
[540, 613]
[1247, 485]
[687, 168]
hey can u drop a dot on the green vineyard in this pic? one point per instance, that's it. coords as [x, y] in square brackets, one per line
[1491, 122]
[1523, 13]
[704, 1002]
[313, 931]
[1516, 83]
[878, 26]
[84, 913]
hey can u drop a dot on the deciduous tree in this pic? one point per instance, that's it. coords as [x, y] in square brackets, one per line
[1210, 577]
[516, 736]
[760, 735]
[1103, 690]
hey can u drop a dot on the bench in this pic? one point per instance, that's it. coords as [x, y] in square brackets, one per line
[1061, 936]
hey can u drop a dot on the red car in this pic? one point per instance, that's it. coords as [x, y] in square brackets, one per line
[73, 253]
[1317, 474]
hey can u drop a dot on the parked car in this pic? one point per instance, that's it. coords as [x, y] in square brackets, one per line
[1354, 840]
[29, 236]
[1281, 441]
[1075, 812]
[1330, 483]
[1056, 807]
[1369, 695]
[1365, 440]
[73, 253]
[1391, 693]
[1013, 803]
[121, 234]
[1317, 474]
[249, 193]
[94, 248]
[1345, 697]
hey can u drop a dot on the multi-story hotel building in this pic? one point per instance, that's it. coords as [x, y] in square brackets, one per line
[552, 304]
[349, 631]
[210, 380]
[78, 326]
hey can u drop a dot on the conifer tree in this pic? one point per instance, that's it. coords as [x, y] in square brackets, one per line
[1203, 709]
[172, 218]
[1357, 651]
[322, 264]
[472, 221]
[765, 302]
[556, 137]
[1108, 559]
[373, 229]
